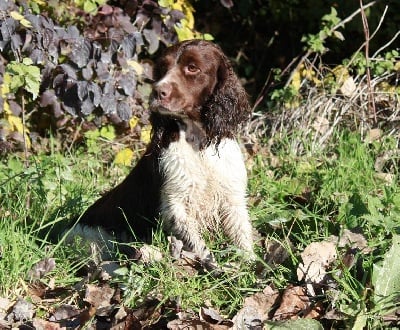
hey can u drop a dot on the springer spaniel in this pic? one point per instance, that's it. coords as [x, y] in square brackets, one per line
[192, 174]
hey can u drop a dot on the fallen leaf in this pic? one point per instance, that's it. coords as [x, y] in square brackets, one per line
[354, 241]
[130, 323]
[321, 125]
[263, 301]
[21, 311]
[247, 318]
[349, 87]
[294, 302]
[276, 252]
[5, 304]
[98, 296]
[149, 253]
[317, 257]
[42, 267]
[64, 312]
[86, 315]
[194, 324]
[212, 316]
[46, 325]
[299, 324]
[256, 309]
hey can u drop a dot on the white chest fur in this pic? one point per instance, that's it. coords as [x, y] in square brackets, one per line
[204, 190]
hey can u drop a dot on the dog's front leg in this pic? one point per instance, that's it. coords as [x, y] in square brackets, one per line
[177, 221]
[237, 225]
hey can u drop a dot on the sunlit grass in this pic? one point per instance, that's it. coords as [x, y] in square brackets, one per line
[294, 200]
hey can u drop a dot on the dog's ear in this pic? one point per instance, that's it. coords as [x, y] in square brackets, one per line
[228, 106]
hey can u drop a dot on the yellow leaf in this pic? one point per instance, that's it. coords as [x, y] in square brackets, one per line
[341, 73]
[40, 2]
[145, 134]
[165, 3]
[5, 87]
[7, 109]
[124, 157]
[25, 23]
[136, 66]
[133, 122]
[17, 125]
[17, 16]
[186, 8]
[183, 32]
[296, 80]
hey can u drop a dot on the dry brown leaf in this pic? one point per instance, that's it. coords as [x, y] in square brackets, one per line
[349, 87]
[21, 311]
[87, 315]
[355, 241]
[212, 316]
[256, 309]
[317, 257]
[130, 323]
[5, 304]
[42, 267]
[194, 324]
[373, 135]
[276, 253]
[64, 312]
[99, 296]
[294, 302]
[321, 125]
[149, 253]
[263, 301]
[46, 325]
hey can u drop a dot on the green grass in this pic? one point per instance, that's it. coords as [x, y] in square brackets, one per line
[296, 199]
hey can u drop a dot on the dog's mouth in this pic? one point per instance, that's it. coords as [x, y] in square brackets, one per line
[178, 114]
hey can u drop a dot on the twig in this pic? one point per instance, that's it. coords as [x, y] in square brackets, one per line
[372, 36]
[371, 100]
[340, 24]
[387, 44]
[349, 18]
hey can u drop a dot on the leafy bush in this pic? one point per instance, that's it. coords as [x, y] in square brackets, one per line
[91, 67]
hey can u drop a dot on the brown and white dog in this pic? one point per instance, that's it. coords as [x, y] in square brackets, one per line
[192, 175]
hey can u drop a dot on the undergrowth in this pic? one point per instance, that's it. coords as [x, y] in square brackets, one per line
[294, 200]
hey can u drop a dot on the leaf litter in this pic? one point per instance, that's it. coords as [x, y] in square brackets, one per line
[100, 304]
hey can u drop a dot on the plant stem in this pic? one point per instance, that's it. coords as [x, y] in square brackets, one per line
[371, 100]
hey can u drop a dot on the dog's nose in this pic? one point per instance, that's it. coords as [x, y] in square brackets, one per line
[163, 91]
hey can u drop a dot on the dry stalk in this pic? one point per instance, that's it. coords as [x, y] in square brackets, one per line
[371, 101]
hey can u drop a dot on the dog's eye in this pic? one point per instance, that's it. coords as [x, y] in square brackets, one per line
[192, 68]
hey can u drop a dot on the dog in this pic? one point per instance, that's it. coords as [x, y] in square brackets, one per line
[192, 174]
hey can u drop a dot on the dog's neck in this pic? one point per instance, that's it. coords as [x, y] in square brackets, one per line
[168, 129]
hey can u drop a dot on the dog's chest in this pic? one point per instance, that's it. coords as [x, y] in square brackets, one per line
[200, 180]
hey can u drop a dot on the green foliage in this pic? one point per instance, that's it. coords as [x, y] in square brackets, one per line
[90, 6]
[24, 74]
[379, 65]
[316, 42]
[296, 199]
[88, 73]
[386, 278]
